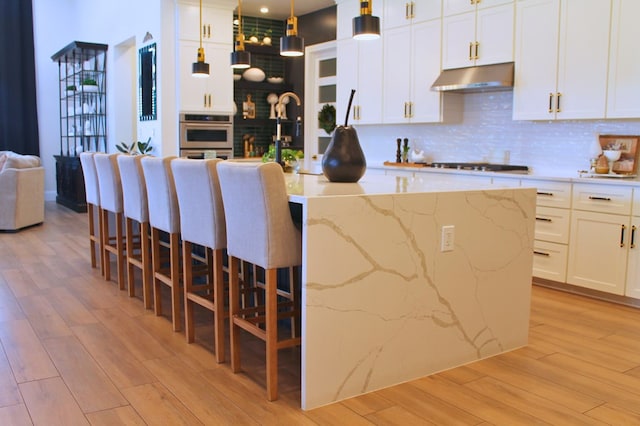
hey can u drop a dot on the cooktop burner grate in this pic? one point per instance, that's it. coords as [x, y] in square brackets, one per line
[485, 167]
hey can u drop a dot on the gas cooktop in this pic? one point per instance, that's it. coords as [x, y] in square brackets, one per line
[485, 167]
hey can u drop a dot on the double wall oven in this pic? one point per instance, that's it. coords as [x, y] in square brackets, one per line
[206, 136]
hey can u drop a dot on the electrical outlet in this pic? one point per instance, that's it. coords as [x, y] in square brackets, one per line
[448, 238]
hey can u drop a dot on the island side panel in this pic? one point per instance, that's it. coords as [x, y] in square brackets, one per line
[384, 305]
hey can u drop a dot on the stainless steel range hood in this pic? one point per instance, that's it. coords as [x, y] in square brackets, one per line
[476, 79]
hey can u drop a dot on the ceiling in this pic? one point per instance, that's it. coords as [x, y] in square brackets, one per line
[281, 9]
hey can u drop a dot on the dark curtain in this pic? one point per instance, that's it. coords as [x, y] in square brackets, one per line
[18, 110]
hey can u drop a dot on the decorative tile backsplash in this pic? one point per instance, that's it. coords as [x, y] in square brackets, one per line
[487, 133]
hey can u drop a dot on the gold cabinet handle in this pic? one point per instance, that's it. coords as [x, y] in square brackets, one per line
[410, 109]
[543, 219]
[406, 11]
[471, 51]
[208, 31]
[210, 103]
[541, 253]
[632, 244]
[550, 103]
[622, 229]
[558, 95]
[476, 45]
[412, 14]
[204, 31]
[204, 100]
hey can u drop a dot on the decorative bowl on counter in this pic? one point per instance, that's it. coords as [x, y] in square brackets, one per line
[237, 77]
[254, 74]
[275, 80]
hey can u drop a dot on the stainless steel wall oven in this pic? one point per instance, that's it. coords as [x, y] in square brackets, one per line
[206, 135]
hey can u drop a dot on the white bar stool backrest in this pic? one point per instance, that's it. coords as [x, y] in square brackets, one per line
[90, 178]
[134, 189]
[202, 218]
[164, 213]
[109, 182]
[260, 229]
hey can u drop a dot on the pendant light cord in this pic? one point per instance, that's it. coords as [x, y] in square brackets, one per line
[200, 30]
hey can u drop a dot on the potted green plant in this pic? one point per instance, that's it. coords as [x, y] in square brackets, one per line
[290, 156]
[266, 40]
[135, 148]
[89, 85]
[327, 118]
[253, 38]
[71, 89]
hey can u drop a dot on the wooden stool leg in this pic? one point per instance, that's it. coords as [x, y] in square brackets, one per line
[157, 265]
[271, 282]
[92, 230]
[147, 267]
[218, 302]
[174, 248]
[234, 304]
[128, 233]
[187, 271]
[120, 251]
[105, 242]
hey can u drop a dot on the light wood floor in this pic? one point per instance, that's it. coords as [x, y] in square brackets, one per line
[76, 350]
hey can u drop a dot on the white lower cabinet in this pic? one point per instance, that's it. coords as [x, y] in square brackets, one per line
[601, 236]
[598, 251]
[633, 264]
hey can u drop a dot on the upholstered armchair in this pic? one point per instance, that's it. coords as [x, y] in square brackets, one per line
[21, 191]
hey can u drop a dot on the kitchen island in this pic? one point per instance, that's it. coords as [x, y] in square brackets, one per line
[387, 299]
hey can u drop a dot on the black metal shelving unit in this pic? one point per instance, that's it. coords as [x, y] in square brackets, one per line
[83, 118]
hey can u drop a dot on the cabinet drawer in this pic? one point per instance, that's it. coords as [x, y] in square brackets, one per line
[550, 261]
[550, 193]
[552, 224]
[602, 198]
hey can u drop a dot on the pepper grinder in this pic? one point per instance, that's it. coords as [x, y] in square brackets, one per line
[405, 150]
[398, 156]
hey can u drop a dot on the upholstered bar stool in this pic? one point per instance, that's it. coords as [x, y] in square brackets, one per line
[93, 207]
[164, 216]
[111, 202]
[136, 215]
[202, 223]
[260, 230]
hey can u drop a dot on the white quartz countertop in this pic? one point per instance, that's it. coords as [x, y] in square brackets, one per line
[576, 178]
[303, 186]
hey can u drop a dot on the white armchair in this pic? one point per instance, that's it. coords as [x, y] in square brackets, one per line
[21, 191]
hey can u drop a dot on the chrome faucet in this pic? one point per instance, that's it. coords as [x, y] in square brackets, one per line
[279, 108]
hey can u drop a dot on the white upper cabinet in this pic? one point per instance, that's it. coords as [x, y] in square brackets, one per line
[479, 37]
[210, 94]
[412, 63]
[453, 7]
[398, 13]
[561, 57]
[359, 67]
[624, 62]
[213, 93]
[216, 27]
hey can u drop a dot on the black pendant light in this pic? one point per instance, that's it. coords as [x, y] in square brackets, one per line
[240, 58]
[366, 26]
[200, 68]
[291, 44]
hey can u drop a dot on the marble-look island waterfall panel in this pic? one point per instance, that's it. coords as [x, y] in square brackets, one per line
[383, 304]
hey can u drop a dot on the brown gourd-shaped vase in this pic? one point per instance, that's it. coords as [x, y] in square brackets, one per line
[343, 160]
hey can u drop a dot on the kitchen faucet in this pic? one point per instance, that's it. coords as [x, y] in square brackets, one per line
[279, 107]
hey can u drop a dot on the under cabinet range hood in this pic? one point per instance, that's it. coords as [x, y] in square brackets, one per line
[476, 79]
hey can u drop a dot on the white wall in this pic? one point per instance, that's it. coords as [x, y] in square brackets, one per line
[122, 25]
[558, 148]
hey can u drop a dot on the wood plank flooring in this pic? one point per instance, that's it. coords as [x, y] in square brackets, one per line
[75, 350]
